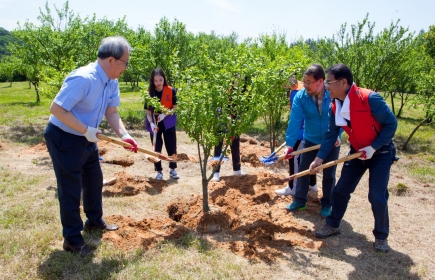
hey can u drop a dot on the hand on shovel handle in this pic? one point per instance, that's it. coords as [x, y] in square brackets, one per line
[125, 144]
[298, 152]
[326, 165]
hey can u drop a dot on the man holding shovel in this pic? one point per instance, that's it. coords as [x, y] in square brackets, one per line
[87, 95]
[311, 104]
[371, 125]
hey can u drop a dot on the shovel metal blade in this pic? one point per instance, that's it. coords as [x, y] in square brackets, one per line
[269, 160]
[218, 158]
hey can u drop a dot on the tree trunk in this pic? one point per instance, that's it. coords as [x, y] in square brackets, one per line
[205, 206]
[203, 165]
[35, 85]
[423, 122]
[392, 104]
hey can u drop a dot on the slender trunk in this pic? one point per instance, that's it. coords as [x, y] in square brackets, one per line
[392, 104]
[203, 164]
[205, 206]
[35, 85]
[423, 122]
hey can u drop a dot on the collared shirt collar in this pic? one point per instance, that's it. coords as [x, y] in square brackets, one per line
[102, 73]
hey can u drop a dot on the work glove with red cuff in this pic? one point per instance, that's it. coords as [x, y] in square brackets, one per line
[288, 150]
[128, 139]
[91, 134]
[154, 128]
[367, 153]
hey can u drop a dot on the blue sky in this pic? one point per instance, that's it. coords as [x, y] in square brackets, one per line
[248, 18]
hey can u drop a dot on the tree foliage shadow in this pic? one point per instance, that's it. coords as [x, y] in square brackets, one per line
[26, 134]
[65, 265]
[354, 248]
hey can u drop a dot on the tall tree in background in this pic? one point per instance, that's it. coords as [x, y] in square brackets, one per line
[372, 58]
[425, 97]
[60, 43]
[279, 62]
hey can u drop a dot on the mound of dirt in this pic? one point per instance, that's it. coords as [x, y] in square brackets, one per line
[143, 234]
[245, 216]
[124, 161]
[128, 185]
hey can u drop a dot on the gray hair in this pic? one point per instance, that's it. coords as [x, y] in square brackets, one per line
[113, 46]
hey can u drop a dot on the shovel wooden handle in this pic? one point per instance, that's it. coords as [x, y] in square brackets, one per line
[326, 165]
[280, 147]
[298, 152]
[125, 144]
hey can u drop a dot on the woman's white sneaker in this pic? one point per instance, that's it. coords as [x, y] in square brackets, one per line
[216, 177]
[159, 175]
[286, 191]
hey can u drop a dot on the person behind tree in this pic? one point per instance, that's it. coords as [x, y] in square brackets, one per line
[290, 189]
[235, 139]
[87, 95]
[162, 125]
[371, 125]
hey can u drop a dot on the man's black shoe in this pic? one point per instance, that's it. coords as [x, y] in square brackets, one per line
[83, 250]
[100, 227]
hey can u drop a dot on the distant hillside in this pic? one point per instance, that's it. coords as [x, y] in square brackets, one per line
[5, 38]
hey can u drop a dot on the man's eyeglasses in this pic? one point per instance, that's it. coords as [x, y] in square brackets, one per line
[308, 83]
[125, 62]
[331, 82]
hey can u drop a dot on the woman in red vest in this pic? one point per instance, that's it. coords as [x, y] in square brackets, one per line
[159, 124]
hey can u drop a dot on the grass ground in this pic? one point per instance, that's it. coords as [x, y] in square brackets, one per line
[30, 231]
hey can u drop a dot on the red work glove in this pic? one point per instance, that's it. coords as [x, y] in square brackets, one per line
[128, 139]
[288, 152]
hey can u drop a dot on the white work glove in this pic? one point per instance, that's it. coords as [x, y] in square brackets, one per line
[154, 128]
[367, 153]
[128, 139]
[161, 117]
[91, 134]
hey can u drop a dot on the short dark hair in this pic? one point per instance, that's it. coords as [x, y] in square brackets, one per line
[316, 71]
[341, 71]
[113, 47]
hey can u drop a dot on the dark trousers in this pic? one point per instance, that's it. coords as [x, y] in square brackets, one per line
[77, 168]
[328, 178]
[291, 164]
[170, 137]
[379, 174]
[235, 153]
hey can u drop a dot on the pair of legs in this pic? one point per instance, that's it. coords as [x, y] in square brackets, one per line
[235, 153]
[379, 173]
[294, 168]
[328, 178]
[77, 168]
[170, 137]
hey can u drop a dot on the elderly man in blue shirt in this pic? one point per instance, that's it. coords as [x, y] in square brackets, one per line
[87, 95]
[311, 104]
